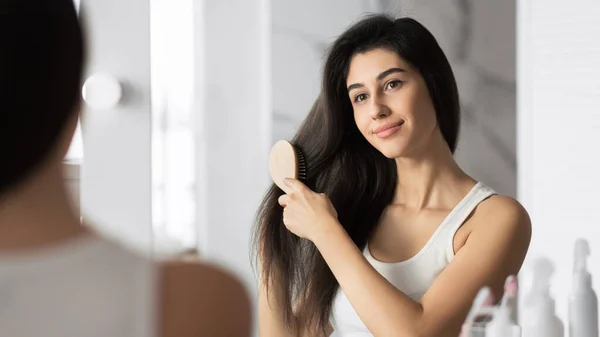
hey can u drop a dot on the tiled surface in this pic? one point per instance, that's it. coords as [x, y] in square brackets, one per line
[477, 36]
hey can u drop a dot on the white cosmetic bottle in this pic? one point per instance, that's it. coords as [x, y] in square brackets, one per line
[503, 324]
[539, 316]
[583, 303]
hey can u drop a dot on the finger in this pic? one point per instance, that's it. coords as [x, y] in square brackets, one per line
[283, 200]
[284, 217]
[295, 184]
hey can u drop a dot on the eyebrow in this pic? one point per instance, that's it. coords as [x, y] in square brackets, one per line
[379, 77]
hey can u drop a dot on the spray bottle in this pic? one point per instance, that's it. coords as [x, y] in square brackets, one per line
[583, 303]
[539, 316]
[503, 322]
[479, 315]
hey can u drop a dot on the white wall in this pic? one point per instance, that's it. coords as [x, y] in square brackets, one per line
[559, 131]
[233, 123]
[116, 172]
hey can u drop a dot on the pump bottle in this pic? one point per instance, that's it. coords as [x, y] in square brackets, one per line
[539, 316]
[583, 303]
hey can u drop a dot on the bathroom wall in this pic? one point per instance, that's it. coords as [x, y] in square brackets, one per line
[116, 171]
[477, 36]
[232, 123]
[559, 132]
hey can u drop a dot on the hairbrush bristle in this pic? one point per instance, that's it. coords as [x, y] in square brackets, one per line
[301, 165]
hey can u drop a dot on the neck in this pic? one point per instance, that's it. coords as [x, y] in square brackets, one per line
[430, 177]
[38, 212]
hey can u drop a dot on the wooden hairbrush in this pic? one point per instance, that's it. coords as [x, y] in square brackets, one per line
[286, 161]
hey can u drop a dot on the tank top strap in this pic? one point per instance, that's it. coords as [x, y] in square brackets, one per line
[462, 212]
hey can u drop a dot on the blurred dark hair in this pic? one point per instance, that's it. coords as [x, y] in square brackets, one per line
[358, 179]
[40, 71]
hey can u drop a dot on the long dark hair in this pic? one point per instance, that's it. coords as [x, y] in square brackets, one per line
[358, 179]
[40, 72]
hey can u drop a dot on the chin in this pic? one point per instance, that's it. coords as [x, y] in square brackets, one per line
[392, 152]
[394, 147]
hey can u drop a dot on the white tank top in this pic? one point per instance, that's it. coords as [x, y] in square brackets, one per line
[88, 287]
[413, 276]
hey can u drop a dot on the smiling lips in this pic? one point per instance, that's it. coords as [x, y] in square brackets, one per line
[387, 130]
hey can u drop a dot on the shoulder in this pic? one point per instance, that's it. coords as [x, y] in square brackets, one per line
[504, 208]
[202, 300]
[501, 214]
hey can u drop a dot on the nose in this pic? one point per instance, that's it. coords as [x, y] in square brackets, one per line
[378, 109]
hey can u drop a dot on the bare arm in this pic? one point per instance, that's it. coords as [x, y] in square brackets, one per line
[200, 300]
[495, 249]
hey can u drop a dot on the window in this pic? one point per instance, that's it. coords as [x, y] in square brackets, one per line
[172, 61]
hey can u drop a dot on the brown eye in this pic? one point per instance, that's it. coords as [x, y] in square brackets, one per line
[393, 85]
[360, 97]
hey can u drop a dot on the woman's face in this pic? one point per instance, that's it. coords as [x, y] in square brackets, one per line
[391, 103]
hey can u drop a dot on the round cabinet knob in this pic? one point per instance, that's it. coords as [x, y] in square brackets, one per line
[102, 91]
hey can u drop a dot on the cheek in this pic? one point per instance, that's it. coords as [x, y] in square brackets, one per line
[362, 123]
[429, 119]
[421, 114]
[426, 108]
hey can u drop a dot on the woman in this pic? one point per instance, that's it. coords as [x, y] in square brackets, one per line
[58, 278]
[388, 236]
